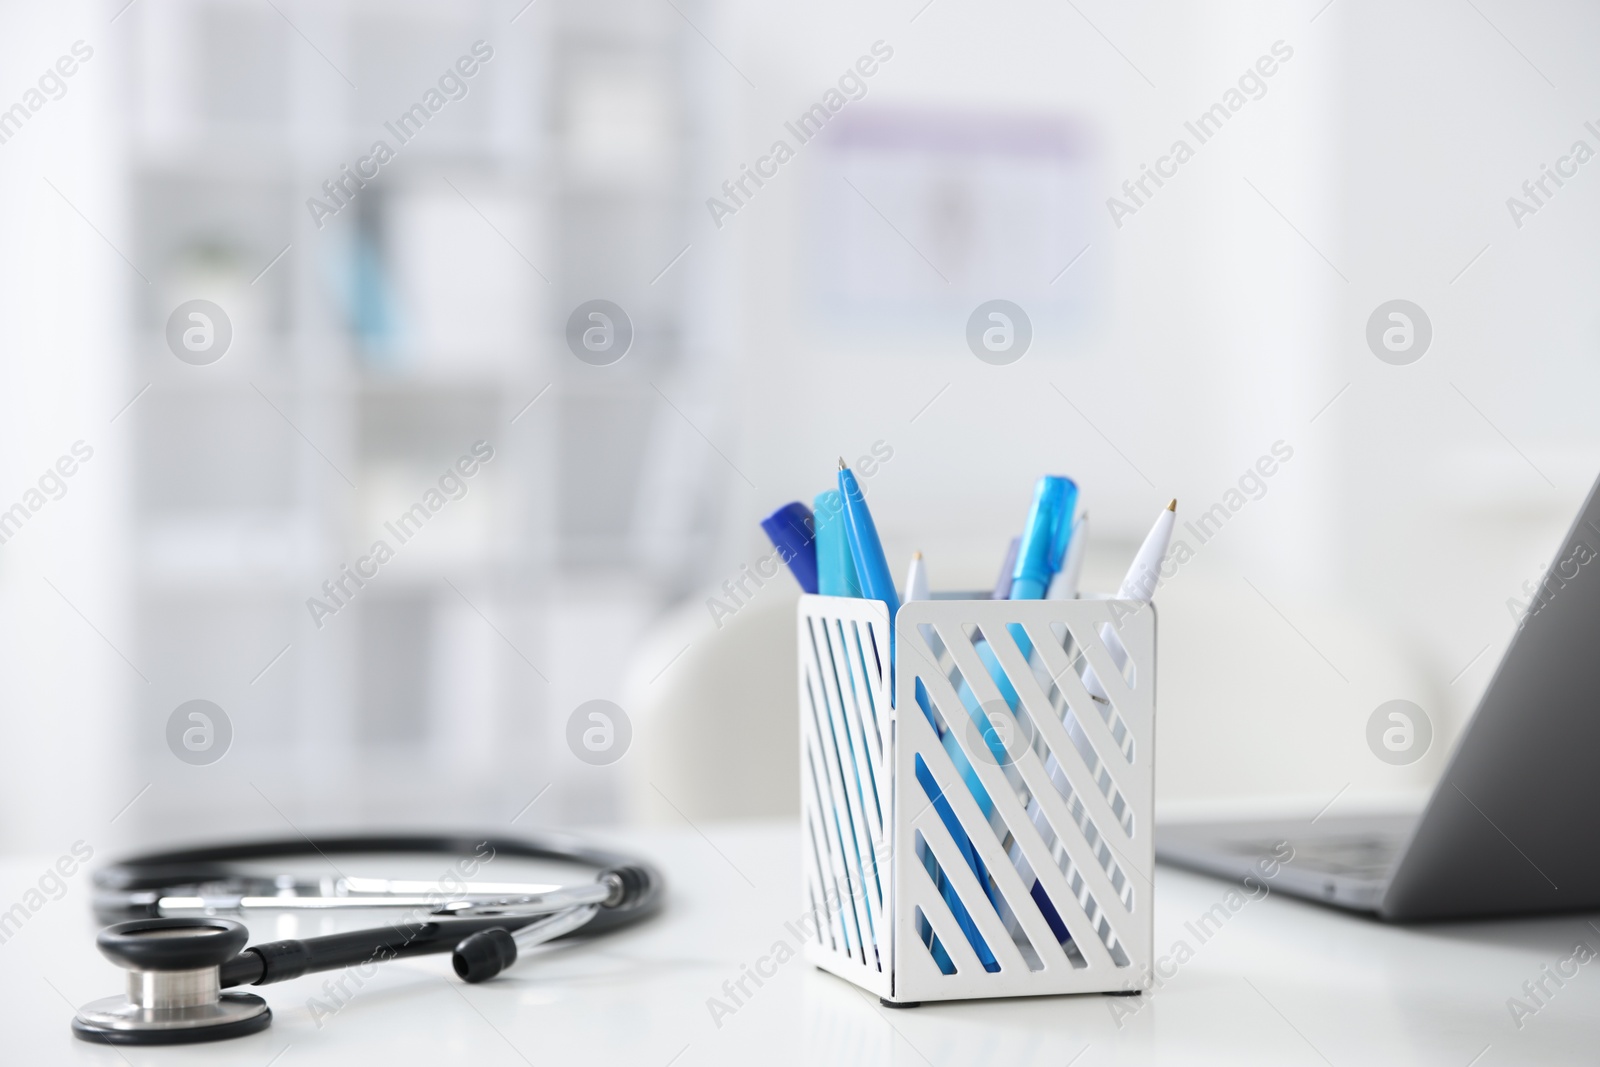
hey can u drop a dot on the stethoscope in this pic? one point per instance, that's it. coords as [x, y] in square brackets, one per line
[180, 956]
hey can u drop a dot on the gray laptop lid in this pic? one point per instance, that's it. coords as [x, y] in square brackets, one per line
[1514, 824]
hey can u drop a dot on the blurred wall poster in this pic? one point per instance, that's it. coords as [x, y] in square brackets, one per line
[915, 218]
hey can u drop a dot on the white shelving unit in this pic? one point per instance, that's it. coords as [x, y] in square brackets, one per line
[371, 352]
[366, 359]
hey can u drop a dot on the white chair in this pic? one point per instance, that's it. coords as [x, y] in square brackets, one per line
[1249, 714]
[717, 734]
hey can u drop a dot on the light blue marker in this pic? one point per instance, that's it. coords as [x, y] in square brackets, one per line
[836, 571]
[1044, 538]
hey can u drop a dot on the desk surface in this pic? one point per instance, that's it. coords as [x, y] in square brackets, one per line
[1281, 983]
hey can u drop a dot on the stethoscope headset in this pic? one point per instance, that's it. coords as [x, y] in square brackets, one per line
[180, 955]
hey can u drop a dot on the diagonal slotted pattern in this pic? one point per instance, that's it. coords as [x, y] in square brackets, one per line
[846, 797]
[1017, 803]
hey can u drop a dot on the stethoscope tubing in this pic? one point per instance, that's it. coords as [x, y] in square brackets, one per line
[137, 888]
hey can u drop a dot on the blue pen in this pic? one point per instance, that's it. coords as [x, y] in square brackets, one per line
[1046, 538]
[1044, 546]
[792, 533]
[1033, 558]
[872, 568]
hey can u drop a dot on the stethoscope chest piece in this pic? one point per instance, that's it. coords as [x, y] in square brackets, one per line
[174, 985]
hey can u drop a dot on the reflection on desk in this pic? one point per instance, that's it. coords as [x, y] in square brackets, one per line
[718, 979]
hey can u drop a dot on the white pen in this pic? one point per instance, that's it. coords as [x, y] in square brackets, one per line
[1064, 586]
[916, 579]
[1139, 584]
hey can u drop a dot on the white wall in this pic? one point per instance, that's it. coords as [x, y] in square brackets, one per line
[1229, 312]
[1444, 121]
[64, 687]
[1375, 167]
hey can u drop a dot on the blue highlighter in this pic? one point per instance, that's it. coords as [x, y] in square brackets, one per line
[1044, 538]
[836, 571]
[1044, 544]
[1066, 526]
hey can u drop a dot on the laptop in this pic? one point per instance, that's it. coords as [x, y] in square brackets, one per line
[1512, 828]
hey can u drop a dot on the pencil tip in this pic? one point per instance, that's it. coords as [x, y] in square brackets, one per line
[1173, 506]
[917, 554]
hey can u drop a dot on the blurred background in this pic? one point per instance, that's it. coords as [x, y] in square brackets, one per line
[381, 328]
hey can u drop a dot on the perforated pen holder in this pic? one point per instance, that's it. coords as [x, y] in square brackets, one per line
[987, 833]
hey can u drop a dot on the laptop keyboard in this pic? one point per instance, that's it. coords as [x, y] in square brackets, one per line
[1364, 856]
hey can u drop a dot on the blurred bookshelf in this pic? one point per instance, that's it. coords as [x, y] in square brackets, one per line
[367, 356]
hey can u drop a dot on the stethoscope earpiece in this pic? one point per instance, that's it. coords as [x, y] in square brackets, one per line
[174, 985]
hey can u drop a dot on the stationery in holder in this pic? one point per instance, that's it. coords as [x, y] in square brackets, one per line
[922, 894]
[836, 570]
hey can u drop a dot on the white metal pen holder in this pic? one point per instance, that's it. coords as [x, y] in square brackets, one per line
[918, 893]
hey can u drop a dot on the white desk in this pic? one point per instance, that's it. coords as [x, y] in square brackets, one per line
[1281, 983]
